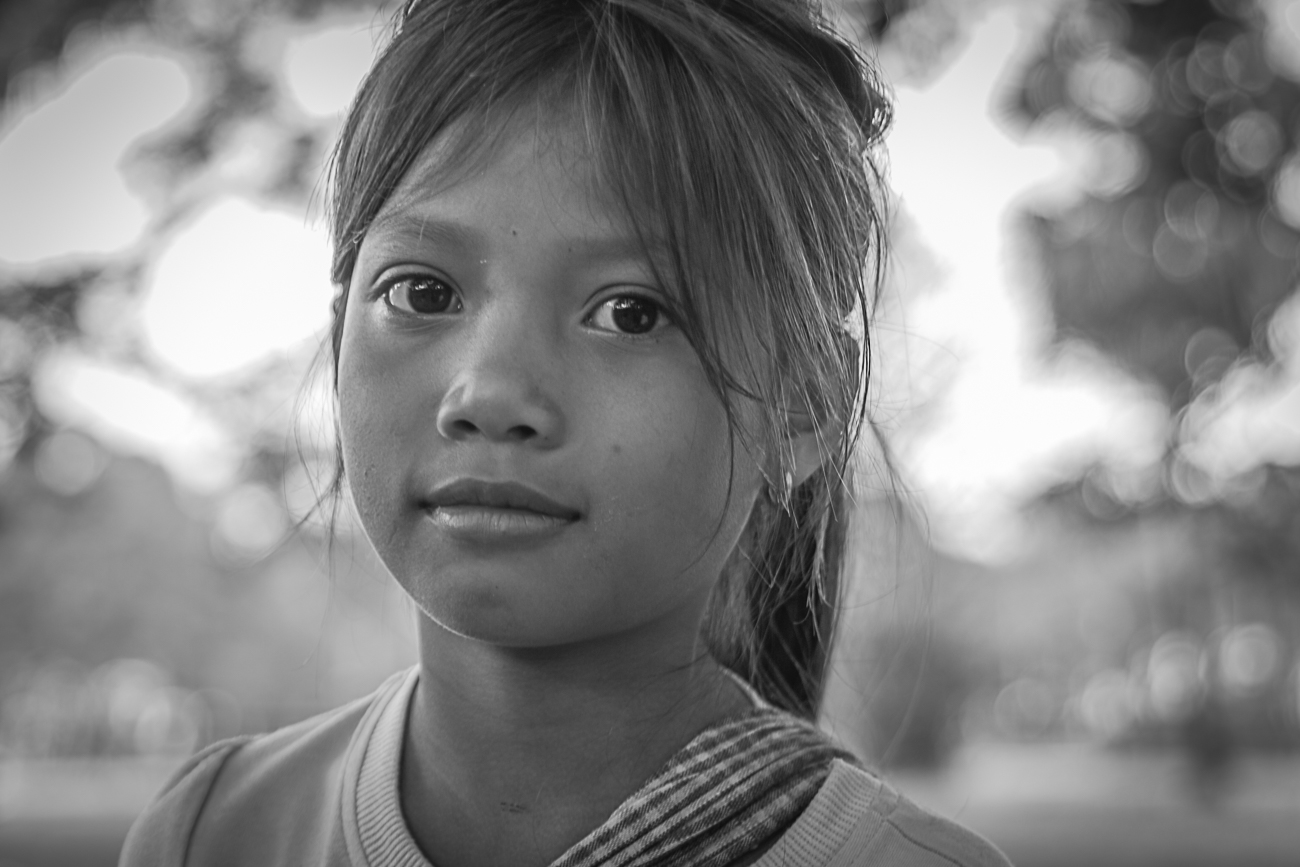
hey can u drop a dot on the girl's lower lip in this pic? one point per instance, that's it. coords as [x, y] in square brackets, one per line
[488, 523]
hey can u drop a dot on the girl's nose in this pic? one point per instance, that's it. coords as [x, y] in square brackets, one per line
[498, 393]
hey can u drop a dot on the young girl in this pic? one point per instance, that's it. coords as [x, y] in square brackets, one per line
[599, 364]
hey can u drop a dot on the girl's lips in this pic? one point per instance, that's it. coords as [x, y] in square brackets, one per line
[488, 522]
[497, 495]
[479, 510]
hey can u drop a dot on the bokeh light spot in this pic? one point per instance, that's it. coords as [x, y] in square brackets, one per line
[1250, 657]
[1208, 354]
[1286, 191]
[250, 522]
[130, 412]
[13, 430]
[1283, 34]
[1118, 165]
[1245, 65]
[239, 284]
[323, 68]
[1108, 704]
[1252, 142]
[1175, 676]
[1205, 73]
[69, 462]
[1115, 89]
[60, 160]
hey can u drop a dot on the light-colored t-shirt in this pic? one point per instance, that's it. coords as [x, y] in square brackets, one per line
[325, 792]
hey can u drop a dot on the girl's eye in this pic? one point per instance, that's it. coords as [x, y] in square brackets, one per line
[422, 295]
[628, 314]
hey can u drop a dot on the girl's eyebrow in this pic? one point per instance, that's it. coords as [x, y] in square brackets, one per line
[403, 226]
[618, 248]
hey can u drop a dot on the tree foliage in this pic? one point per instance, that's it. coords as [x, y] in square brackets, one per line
[1178, 258]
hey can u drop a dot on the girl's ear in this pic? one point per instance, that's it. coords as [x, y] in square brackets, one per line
[804, 440]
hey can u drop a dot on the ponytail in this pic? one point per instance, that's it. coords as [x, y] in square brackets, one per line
[773, 615]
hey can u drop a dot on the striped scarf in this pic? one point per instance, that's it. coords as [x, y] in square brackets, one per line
[733, 789]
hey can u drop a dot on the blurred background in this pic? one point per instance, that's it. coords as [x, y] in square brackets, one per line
[1074, 621]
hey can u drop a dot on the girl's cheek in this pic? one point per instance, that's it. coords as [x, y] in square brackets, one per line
[362, 459]
[366, 426]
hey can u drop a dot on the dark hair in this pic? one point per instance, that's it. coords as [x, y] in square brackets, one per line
[739, 135]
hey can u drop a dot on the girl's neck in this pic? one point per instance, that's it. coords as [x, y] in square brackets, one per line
[511, 757]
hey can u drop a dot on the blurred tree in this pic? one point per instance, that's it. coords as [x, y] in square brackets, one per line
[1174, 262]
[1176, 259]
[33, 32]
[39, 307]
[1233, 576]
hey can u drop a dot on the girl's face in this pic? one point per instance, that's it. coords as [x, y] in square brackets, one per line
[531, 444]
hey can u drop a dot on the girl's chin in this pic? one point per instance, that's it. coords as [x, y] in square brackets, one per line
[526, 627]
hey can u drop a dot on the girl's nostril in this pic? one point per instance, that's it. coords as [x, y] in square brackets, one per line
[522, 432]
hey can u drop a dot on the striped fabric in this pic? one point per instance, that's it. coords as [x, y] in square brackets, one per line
[731, 790]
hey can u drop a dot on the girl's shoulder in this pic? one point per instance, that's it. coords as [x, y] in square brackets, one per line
[857, 819]
[161, 834]
[276, 791]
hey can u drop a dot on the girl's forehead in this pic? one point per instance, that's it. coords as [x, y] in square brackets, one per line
[528, 147]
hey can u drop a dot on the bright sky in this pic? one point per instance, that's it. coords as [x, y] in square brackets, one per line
[1002, 419]
[134, 413]
[984, 416]
[63, 191]
[236, 284]
[321, 65]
